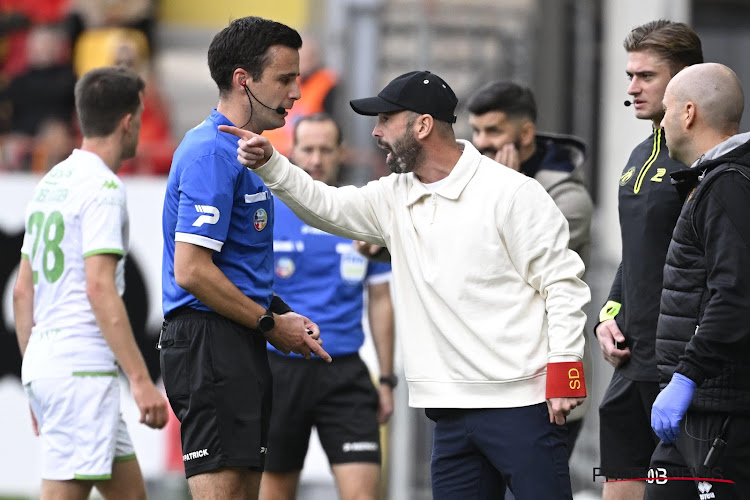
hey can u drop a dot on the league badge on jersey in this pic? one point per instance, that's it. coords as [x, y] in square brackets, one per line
[627, 176]
[260, 219]
[284, 267]
[353, 267]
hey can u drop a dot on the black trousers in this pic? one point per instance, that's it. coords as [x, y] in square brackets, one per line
[728, 478]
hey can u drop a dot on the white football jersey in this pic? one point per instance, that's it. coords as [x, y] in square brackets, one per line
[77, 210]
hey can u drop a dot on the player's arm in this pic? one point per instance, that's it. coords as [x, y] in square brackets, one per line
[611, 340]
[380, 316]
[23, 303]
[196, 272]
[112, 318]
[23, 312]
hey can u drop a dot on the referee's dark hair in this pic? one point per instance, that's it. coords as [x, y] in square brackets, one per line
[513, 99]
[244, 44]
[104, 96]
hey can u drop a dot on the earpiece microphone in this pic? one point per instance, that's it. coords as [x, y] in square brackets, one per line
[626, 103]
[280, 110]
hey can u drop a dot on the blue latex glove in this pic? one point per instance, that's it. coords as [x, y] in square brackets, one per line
[670, 406]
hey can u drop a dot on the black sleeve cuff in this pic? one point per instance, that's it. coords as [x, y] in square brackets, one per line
[691, 372]
[278, 306]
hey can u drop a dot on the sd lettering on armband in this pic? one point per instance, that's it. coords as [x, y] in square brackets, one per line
[565, 380]
[574, 378]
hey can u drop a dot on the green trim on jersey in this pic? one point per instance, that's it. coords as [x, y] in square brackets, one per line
[95, 374]
[24, 255]
[104, 250]
[84, 477]
[125, 458]
[654, 155]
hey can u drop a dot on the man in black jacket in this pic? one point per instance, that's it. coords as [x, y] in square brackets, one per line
[648, 208]
[703, 337]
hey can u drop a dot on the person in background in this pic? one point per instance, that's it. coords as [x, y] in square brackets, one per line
[649, 207]
[503, 116]
[323, 277]
[72, 327]
[42, 104]
[703, 337]
[154, 155]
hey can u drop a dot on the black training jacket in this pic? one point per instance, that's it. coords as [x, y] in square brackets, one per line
[703, 331]
[649, 206]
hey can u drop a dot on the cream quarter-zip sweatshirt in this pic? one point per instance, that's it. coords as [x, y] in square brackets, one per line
[485, 289]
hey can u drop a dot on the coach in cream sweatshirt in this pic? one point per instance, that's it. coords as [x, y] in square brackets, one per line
[487, 296]
[486, 291]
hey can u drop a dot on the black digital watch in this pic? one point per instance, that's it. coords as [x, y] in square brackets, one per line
[266, 323]
[391, 380]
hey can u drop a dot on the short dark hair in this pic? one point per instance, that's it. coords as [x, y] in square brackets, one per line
[318, 118]
[513, 99]
[244, 44]
[677, 43]
[104, 96]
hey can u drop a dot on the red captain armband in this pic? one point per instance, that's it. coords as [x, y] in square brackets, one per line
[565, 380]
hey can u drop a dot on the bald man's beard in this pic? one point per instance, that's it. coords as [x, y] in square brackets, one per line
[406, 153]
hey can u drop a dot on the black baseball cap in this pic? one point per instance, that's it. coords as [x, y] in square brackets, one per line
[419, 91]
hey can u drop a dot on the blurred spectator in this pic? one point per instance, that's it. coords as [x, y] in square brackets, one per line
[317, 86]
[41, 104]
[129, 47]
[16, 17]
[92, 14]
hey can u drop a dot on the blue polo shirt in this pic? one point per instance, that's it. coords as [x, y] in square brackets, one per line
[322, 276]
[214, 202]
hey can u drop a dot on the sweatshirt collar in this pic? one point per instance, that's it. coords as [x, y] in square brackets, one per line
[455, 182]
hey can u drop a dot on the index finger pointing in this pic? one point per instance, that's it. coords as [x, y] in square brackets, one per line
[236, 131]
[317, 349]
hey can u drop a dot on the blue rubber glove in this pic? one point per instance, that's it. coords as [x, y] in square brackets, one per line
[670, 406]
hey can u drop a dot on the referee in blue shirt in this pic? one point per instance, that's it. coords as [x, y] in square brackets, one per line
[217, 270]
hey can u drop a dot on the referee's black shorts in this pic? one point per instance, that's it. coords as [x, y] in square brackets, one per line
[219, 385]
[338, 398]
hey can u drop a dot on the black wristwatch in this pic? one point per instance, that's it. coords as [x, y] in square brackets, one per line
[266, 323]
[391, 380]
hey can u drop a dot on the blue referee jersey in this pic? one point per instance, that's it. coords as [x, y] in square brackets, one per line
[214, 202]
[322, 276]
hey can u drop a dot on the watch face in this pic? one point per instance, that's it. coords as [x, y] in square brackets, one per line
[266, 323]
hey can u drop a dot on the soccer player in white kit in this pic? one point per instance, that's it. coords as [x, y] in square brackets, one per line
[72, 326]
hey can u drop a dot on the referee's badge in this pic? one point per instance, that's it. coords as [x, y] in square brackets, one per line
[260, 219]
[353, 267]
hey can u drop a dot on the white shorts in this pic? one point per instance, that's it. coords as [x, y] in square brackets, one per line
[80, 425]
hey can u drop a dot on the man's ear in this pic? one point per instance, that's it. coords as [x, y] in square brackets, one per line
[126, 122]
[689, 114]
[528, 133]
[424, 125]
[240, 76]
